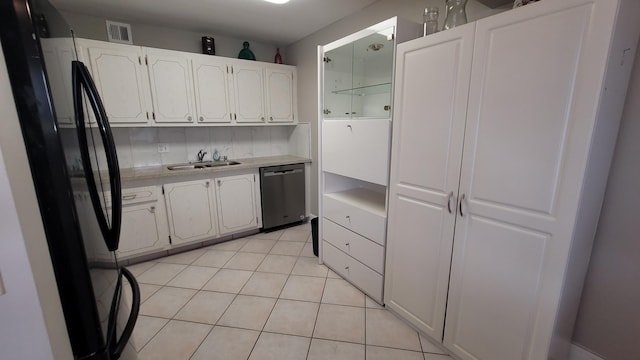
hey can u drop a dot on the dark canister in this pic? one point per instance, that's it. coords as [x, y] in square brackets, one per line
[208, 45]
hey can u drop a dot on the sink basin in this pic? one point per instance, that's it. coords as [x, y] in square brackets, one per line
[202, 165]
[221, 163]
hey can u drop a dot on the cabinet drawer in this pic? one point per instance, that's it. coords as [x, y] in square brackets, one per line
[358, 274]
[369, 224]
[136, 195]
[357, 149]
[358, 247]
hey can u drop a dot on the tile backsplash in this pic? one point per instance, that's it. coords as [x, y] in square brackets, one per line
[138, 147]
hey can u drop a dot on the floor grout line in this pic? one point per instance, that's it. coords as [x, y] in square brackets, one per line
[289, 275]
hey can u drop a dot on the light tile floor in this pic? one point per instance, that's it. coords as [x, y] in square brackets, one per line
[264, 297]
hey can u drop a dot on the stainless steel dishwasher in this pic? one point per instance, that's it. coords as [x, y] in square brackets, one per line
[283, 195]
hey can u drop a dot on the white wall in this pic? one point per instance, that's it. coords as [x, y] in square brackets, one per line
[91, 27]
[609, 319]
[303, 54]
[138, 147]
[31, 320]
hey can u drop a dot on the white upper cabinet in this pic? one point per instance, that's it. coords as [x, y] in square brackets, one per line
[281, 98]
[121, 80]
[425, 159]
[142, 86]
[248, 82]
[212, 92]
[171, 86]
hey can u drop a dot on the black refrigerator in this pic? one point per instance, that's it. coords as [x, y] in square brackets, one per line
[75, 172]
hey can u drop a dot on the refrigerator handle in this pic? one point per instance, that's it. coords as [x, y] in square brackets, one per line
[118, 347]
[82, 79]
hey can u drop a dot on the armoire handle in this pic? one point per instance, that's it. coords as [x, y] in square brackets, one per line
[461, 201]
[449, 198]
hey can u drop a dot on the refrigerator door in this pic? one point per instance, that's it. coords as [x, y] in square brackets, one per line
[91, 149]
[81, 234]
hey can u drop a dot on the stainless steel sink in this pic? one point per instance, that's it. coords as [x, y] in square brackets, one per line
[202, 165]
[222, 163]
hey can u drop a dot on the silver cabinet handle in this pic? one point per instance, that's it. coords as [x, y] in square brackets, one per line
[206, 184]
[129, 197]
[201, 118]
[350, 128]
[152, 209]
[219, 183]
[461, 201]
[449, 198]
[262, 118]
[190, 118]
[346, 244]
[270, 118]
[348, 218]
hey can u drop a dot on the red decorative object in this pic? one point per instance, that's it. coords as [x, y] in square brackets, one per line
[278, 59]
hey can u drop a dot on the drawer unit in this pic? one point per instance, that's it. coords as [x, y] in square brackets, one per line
[358, 149]
[355, 217]
[352, 270]
[356, 246]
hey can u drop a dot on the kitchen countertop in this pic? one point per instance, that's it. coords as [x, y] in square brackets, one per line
[161, 171]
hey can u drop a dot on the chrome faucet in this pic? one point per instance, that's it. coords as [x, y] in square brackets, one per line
[201, 155]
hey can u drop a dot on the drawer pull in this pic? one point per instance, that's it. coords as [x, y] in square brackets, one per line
[129, 197]
[346, 244]
[152, 209]
[348, 218]
[346, 268]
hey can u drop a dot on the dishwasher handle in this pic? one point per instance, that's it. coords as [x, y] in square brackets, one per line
[282, 172]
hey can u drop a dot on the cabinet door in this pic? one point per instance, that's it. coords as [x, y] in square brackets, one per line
[530, 121]
[280, 95]
[142, 229]
[249, 91]
[121, 81]
[358, 149]
[190, 210]
[237, 207]
[171, 86]
[428, 131]
[144, 221]
[211, 90]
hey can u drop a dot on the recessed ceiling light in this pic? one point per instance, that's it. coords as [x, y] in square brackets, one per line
[277, 1]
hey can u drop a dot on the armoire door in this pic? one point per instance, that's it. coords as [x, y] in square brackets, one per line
[432, 83]
[536, 77]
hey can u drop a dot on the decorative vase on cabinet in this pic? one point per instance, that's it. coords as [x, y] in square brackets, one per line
[356, 95]
[494, 198]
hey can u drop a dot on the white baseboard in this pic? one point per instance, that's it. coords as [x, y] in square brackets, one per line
[580, 353]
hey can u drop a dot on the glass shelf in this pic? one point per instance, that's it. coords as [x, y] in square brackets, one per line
[383, 88]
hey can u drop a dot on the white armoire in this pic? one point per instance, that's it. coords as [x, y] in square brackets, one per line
[503, 135]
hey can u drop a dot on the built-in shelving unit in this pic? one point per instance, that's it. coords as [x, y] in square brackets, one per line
[355, 140]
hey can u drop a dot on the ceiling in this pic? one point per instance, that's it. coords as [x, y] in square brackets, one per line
[251, 19]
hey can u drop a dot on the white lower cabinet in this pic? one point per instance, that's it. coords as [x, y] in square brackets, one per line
[191, 211]
[353, 233]
[238, 200]
[205, 209]
[144, 222]
[354, 271]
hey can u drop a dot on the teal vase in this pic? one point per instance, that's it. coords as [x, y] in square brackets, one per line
[246, 53]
